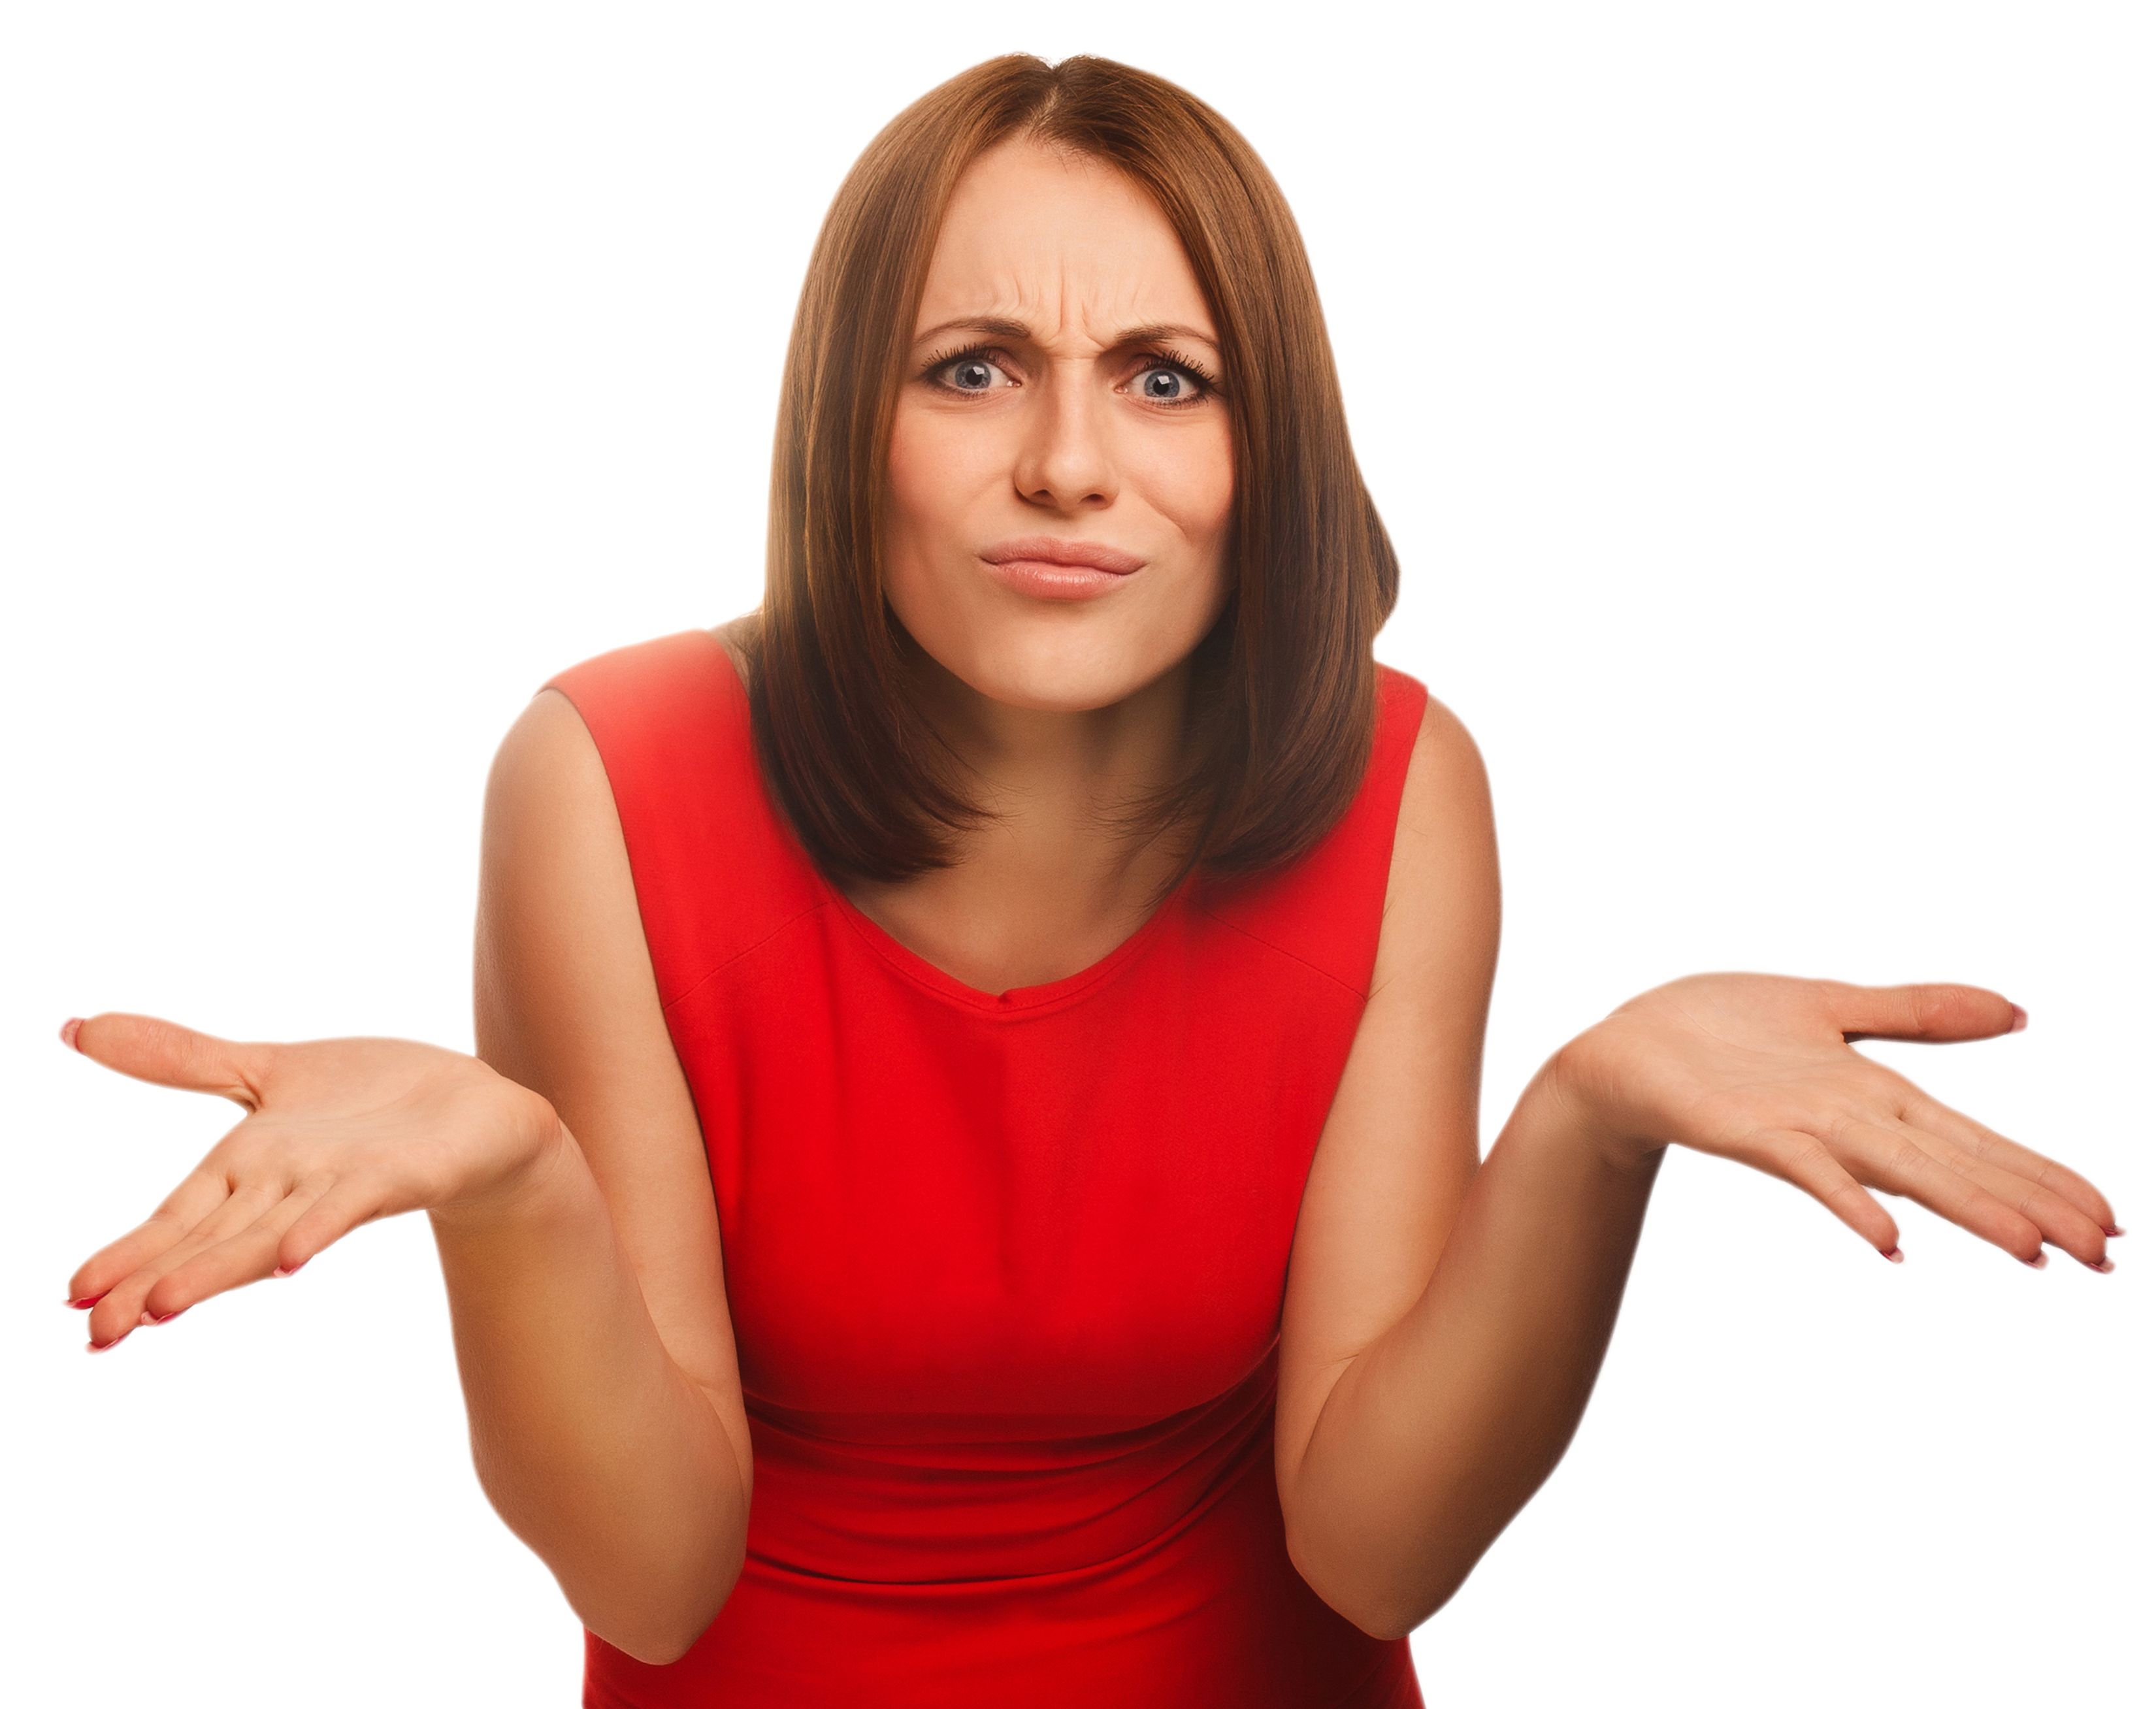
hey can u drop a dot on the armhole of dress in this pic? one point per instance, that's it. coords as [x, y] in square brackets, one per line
[1402, 701]
[1326, 909]
[716, 868]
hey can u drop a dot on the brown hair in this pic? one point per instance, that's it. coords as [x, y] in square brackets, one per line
[1283, 709]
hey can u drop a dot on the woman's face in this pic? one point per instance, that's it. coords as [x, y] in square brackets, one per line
[1060, 465]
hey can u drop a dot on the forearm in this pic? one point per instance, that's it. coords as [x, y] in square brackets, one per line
[594, 1446]
[1435, 1435]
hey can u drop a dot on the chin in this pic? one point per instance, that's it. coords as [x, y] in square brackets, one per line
[1061, 673]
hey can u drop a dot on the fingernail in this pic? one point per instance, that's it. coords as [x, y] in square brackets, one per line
[87, 1302]
[2039, 1261]
[2103, 1266]
[161, 1317]
[292, 1270]
[100, 1347]
[2020, 1018]
[2116, 1234]
[67, 1030]
[1892, 1254]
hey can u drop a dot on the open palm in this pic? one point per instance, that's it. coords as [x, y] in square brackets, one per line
[339, 1132]
[1760, 1069]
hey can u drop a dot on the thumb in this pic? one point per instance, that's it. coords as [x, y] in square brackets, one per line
[1932, 1014]
[169, 1056]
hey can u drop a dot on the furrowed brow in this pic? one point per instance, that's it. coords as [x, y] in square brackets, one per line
[987, 326]
[1165, 333]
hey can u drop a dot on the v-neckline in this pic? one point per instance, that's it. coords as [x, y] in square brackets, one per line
[917, 967]
[1018, 998]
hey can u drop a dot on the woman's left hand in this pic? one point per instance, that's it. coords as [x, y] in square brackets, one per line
[1760, 1069]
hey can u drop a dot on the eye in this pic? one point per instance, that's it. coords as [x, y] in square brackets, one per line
[970, 373]
[1163, 382]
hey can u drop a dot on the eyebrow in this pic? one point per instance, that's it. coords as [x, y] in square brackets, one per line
[1158, 333]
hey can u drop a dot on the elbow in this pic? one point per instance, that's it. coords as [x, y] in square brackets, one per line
[659, 1629]
[1369, 1601]
[656, 1649]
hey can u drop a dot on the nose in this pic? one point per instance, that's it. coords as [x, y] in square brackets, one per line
[1066, 463]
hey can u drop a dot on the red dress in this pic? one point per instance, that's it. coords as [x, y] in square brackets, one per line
[1005, 1271]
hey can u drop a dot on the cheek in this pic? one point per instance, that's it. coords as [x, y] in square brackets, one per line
[1192, 482]
[1194, 490]
[937, 467]
[933, 482]
[911, 496]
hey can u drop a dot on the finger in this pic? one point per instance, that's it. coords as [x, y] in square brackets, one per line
[2001, 1153]
[1932, 1014]
[190, 1203]
[243, 1256]
[169, 1056]
[1803, 1160]
[1896, 1160]
[347, 1204]
[2063, 1224]
[121, 1308]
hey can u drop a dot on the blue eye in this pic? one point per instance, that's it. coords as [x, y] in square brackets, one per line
[1165, 385]
[972, 373]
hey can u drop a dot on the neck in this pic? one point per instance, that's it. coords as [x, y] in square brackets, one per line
[1053, 773]
[1056, 874]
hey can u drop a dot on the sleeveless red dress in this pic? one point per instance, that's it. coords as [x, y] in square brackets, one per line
[1005, 1271]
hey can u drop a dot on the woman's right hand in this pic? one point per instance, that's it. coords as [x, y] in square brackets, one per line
[338, 1132]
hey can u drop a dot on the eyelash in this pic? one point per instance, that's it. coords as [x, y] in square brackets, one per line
[1207, 385]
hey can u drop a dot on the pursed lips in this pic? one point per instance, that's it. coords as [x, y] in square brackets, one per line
[1042, 566]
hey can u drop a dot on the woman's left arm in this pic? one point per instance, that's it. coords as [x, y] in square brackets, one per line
[1445, 1322]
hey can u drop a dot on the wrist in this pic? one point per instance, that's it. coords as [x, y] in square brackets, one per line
[545, 1165]
[1582, 1088]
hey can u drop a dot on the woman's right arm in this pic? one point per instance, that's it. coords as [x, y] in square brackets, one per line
[564, 1174]
[591, 1320]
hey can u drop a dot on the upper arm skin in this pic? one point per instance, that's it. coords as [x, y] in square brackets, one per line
[1400, 1149]
[566, 1004]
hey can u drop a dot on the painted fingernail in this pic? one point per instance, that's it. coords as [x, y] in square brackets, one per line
[69, 1028]
[2103, 1266]
[161, 1317]
[2020, 1018]
[290, 1269]
[100, 1347]
[1892, 1254]
[2116, 1234]
[84, 1303]
[2039, 1261]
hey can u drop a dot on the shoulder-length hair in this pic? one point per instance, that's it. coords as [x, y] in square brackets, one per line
[1284, 697]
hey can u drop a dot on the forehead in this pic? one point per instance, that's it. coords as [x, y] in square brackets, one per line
[1059, 240]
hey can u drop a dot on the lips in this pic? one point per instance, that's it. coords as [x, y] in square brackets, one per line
[1044, 567]
[1066, 554]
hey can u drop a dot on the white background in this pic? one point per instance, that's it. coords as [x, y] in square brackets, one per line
[1759, 396]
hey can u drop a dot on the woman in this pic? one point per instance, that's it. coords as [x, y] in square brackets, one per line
[982, 1054]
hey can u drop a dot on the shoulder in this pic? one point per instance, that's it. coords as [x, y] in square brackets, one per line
[560, 971]
[559, 751]
[1445, 777]
[552, 849]
[645, 692]
[1441, 895]
[642, 760]
[572, 766]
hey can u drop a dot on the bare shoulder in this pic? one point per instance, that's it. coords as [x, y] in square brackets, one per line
[1442, 892]
[564, 989]
[1444, 753]
[547, 760]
